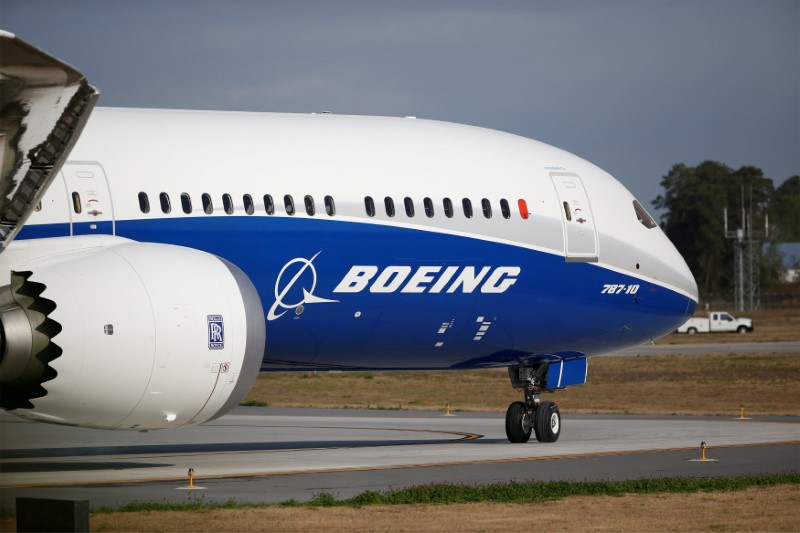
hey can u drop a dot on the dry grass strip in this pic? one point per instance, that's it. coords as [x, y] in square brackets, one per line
[755, 509]
[685, 385]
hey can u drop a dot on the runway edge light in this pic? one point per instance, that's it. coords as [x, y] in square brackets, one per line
[703, 447]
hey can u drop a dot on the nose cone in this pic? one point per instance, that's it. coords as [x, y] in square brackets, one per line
[674, 273]
[685, 278]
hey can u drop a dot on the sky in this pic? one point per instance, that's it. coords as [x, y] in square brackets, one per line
[634, 86]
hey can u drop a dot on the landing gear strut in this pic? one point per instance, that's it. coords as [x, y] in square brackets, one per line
[532, 414]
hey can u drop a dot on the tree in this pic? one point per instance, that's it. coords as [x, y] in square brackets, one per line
[784, 211]
[694, 200]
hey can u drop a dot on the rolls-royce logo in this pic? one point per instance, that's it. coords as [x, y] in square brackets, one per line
[216, 332]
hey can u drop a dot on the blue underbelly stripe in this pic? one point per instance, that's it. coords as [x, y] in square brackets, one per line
[553, 307]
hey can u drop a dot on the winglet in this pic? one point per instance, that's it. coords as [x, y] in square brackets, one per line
[44, 105]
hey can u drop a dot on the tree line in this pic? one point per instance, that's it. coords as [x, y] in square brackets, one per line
[694, 201]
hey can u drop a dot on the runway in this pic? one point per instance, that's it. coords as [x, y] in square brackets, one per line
[271, 455]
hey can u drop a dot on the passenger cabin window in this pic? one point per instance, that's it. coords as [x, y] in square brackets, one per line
[249, 208]
[227, 203]
[208, 205]
[144, 202]
[269, 205]
[369, 205]
[76, 202]
[505, 208]
[186, 203]
[309, 201]
[389, 204]
[166, 207]
[428, 203]
[487, 208]
[448, 207]
[643, 216]
[330, 208]
[523, 209]
[409, 204]
[466, 203]
[288, 204]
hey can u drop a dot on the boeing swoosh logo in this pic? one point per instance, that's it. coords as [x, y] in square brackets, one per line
[282, 290]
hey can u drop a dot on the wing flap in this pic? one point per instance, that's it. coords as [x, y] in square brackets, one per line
[44, 105]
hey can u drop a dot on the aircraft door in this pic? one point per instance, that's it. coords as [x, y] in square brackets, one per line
[580, 235]
[91, 211]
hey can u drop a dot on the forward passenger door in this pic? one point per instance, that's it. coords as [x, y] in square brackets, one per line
[580, 234]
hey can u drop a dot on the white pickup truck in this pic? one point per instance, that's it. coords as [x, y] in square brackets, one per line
[717, 322]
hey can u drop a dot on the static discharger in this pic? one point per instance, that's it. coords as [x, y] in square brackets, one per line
[741, 413]
[703, 458]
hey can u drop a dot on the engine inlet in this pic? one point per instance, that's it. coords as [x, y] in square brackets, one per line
[26, 349]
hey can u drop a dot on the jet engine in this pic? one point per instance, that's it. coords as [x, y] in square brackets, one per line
[128, 336]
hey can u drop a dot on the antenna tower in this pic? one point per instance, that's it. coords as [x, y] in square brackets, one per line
[746, 260]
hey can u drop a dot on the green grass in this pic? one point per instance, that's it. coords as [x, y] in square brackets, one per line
[254, 403]
[539, 491]
[509, 492]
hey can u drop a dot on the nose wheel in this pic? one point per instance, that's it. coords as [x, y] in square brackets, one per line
[519, 422]
[544, 420]
[531, 416]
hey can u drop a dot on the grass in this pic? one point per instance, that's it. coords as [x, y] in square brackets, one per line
[741, 503]
[538, 491]
[772, 508]
[506, 492]
[693, 385]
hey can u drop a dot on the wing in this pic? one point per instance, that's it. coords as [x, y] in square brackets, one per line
[44, 104]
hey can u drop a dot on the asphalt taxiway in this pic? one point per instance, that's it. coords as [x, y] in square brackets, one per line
[272, 455]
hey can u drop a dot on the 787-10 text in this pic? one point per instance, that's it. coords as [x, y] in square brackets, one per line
[619, 289]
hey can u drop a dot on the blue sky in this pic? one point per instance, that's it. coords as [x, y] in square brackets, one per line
[634, 86]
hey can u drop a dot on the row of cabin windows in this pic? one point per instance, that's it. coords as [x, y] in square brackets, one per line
[369, 204]
[330, 207]
[228, 207]
[447, 205]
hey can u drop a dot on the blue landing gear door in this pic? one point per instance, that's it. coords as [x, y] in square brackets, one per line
[566, 372]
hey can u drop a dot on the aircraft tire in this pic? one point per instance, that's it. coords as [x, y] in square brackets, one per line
[518, 423]
[547, 422]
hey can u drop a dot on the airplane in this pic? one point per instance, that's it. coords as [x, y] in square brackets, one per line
[155, 261]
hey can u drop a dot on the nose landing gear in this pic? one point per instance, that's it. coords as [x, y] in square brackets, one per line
[543, 418]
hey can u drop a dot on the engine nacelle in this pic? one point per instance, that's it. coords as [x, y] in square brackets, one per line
[128, 336]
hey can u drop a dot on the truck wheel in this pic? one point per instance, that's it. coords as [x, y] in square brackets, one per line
[742, 329]
[691, 331]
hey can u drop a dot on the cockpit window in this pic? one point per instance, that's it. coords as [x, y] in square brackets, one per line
[643, 216]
